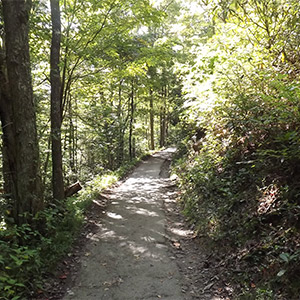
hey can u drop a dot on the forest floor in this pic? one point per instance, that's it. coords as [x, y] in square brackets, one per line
[137, 245]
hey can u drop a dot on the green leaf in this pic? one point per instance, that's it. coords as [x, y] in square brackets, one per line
[3, 279]
[18, 261]
[20, 284]
[7, 287]
[12, 281]
[281, 273]
[285, 257]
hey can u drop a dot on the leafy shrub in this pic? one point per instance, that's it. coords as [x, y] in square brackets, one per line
[242, 189]
[27, 252]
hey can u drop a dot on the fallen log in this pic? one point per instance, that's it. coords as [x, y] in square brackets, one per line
[72, 189]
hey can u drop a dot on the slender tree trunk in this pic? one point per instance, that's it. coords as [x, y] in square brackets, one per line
[152, 145]
[121, 128]
[56, 105]
[17, 111]
[76, 139]
[46, 164]
[131, 109]
[163, 118]
[71, 138]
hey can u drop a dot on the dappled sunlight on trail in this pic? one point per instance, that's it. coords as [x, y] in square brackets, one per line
[130, 250]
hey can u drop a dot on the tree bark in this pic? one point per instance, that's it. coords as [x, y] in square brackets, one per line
[56, 103]
[120, 156]
[72, 189]
[152, 145]
[131, 109]
[17, 112]
[163, 124]
[71, 138]
[8, 138]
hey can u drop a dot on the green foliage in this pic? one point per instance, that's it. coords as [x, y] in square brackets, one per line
[241, 190]
[27, 253]
[237, 67]
[19, 265]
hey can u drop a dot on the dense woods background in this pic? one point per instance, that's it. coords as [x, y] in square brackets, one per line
[87, 87]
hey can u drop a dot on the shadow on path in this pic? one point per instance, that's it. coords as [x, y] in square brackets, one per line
[128, 257]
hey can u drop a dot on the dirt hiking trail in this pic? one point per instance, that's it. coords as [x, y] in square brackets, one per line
[139, 247]
[129, 256]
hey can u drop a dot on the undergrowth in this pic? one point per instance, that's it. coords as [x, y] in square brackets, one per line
[244, 199]
[28, 252]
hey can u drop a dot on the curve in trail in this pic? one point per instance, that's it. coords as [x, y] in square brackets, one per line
[129, 257]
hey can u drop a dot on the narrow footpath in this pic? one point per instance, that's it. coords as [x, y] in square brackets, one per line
[129, 256]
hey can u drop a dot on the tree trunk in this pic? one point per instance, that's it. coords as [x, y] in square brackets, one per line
[56, 104]
[120, 156]
[17, 111]
[164, 117]
[163, 125]
[71, 139]
[152, 145]
[131, 109]
[8, 138]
